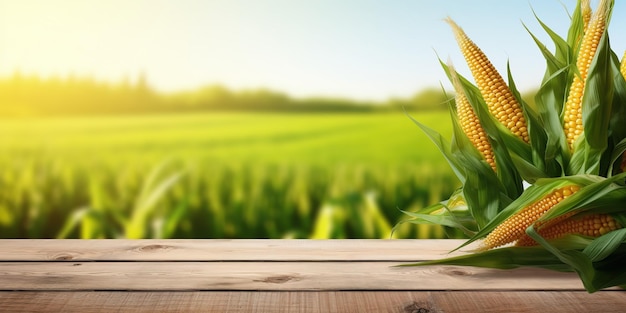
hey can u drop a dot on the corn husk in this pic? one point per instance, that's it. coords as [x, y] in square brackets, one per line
[486, 198]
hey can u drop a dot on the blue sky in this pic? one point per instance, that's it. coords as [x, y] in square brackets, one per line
[360, 49]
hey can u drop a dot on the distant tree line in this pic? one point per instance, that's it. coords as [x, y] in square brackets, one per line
[22, 95]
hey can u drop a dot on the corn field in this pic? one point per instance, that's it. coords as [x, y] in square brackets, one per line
[221, 175]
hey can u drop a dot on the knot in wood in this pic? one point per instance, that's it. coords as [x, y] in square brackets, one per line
[153, 248]
[281, 279]
[456, 272]
[417, 307]
[63, 257]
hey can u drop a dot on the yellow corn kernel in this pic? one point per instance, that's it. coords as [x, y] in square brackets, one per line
[469, 122]
[593, 225]
[499, 98]
[573, 117]
[515, 226]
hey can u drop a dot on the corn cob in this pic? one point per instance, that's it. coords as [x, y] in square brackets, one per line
[469, 121]
[573, 118]
[586, 12]
[593, 225]
[499, 98]
[515, 226]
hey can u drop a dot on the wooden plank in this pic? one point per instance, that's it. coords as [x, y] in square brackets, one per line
[498, 301]
[272, 276]
[225, 250]
[317, 302]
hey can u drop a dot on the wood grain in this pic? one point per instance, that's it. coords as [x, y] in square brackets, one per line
[318, 302]
[272, 276]
[225, 250]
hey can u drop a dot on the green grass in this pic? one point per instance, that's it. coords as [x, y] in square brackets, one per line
[219, 175]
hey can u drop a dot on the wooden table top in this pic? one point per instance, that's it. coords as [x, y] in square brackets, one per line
[274, 276]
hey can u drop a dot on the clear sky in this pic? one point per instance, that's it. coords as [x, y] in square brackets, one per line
[360, 49]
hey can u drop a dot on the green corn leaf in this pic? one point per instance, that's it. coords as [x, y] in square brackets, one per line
[574, 258]
[514, 257]
[173, 220]
[443, 220]
[617, 131]
[529, 171]
[618, 116]
[452, 213]
[153, 189]
[553, 63]
[599, 266]
[504, 258]
[72, 222]
[484, 203]
[576, 30]
[563, 51]
[550, 99]
[552, 93]
[609, 271]
[532, 162]
[605, 245]
[444, 147]
[616, 157]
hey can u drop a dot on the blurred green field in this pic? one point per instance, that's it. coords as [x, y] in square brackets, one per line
[219, 175]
